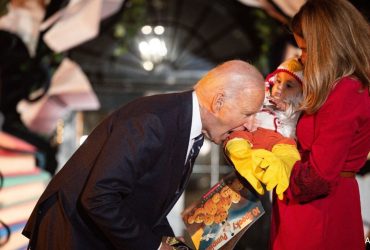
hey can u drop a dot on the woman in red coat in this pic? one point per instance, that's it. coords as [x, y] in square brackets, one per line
[321, 207]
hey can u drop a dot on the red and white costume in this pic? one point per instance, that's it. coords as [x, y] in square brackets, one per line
[283, 122]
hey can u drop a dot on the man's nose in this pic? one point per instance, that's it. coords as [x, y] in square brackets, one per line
[250, 123]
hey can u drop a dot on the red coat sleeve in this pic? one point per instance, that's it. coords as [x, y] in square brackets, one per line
[335, 125]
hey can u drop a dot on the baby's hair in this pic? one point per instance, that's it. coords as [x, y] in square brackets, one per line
[292, 65]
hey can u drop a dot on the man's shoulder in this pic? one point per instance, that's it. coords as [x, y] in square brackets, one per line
[158, 100]
[168, 108]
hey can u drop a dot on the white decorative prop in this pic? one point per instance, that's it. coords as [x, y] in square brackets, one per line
[69, 90]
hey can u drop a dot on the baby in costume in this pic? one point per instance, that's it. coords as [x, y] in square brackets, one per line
[268, 151]
[282, 97]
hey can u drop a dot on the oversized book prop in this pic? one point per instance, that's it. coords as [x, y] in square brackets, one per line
[222, 215]
[21, 185]
[77, 23]
[70, 90]
[16, 157]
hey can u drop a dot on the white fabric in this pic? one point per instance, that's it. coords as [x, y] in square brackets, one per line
[283, 122]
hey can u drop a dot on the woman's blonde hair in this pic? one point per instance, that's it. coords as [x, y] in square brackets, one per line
[337, 37]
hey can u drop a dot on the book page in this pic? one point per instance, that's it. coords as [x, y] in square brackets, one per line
[222, 215]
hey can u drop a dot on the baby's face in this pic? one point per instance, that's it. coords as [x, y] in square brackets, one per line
[286, 87]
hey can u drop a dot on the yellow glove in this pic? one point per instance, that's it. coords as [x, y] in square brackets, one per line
[278, 165]
[287, 152]
[289, 155]
[239, 152]
[271, 166]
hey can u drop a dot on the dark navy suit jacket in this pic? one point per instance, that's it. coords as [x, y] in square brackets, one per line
[118, 187]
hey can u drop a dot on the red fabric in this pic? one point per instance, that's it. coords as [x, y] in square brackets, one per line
[239, 134]
[261, 138]
[267, 138]
[321, 210]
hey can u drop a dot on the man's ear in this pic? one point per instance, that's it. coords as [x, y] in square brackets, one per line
[218, 102]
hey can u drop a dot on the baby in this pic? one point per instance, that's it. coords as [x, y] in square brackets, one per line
[282, 97]
[272, 135]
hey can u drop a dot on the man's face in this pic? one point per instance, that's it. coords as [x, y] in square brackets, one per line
[286, 87]
[235, 114]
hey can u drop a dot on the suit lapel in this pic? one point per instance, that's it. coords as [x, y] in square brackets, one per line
[179, 151]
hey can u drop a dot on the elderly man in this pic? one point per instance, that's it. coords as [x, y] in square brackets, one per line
[116, 190]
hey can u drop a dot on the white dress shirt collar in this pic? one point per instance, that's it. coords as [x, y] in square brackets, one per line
[196, 123]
